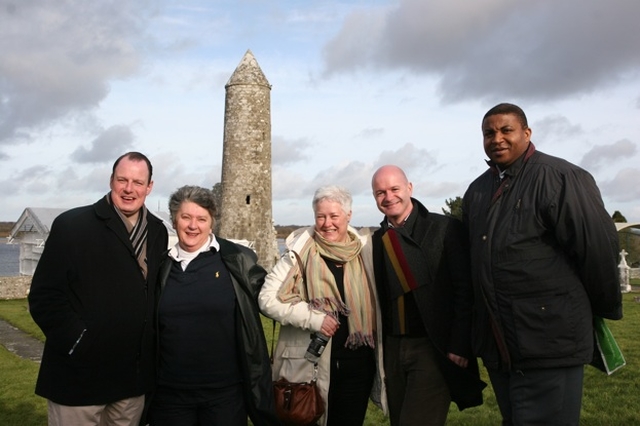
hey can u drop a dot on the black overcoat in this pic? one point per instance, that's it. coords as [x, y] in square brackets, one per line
[91, 300]
[445, 300]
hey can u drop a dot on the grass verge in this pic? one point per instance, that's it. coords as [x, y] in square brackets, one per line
[607, 400]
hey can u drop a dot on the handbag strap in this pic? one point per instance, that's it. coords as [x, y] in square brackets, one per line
[303, 273]
[304, 281]
[273, 339]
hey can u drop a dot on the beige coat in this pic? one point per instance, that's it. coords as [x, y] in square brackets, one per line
[298, 322]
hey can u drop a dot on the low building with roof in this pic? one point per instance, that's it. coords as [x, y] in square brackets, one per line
[32, 230]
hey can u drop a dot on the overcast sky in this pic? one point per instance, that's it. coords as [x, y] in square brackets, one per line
[355, 85]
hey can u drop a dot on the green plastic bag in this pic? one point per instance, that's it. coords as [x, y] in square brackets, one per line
[607, 355]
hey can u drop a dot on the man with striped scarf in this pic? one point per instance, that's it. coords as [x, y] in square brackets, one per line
[92, 295]
[422, 274]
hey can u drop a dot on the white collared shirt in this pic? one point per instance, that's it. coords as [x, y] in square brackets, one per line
[178, 254]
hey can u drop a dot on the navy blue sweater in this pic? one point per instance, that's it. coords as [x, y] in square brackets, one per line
[196, 317]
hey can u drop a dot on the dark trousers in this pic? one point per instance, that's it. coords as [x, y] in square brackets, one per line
[539, 397]
[198, 407]
[349, 390]
[416, 390]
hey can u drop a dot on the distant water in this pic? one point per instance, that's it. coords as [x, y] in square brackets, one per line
[9, 260]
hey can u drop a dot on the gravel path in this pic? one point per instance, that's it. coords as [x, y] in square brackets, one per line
[20, 343]
[15, 340]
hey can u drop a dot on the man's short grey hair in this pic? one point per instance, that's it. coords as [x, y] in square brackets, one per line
[333, 193]
[195, 194]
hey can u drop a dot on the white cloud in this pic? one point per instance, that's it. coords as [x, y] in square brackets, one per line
[624, 187]
[355, 85]
[285, 152]
[371, 132]
[554, 129]
[602, 155]
[408, 157]
[58, 58]
[107, 146]
[495, 49]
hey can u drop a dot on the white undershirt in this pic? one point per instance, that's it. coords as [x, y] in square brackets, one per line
[179, 254]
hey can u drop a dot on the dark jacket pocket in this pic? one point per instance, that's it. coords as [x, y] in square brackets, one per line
[545, 326]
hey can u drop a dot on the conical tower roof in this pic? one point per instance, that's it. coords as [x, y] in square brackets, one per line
[248, 72]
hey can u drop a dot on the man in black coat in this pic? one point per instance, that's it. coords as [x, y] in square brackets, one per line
[544, 263]
[92, 295]
[421, 266]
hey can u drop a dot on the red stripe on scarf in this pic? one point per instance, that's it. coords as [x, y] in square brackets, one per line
[399, 262]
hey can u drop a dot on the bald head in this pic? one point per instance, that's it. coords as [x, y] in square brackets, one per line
[392, 191]
[386, 171]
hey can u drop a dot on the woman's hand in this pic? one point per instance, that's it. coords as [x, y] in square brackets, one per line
[329, 326]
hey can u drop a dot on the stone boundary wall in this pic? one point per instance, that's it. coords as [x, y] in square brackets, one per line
[18, 287]
[14, 287]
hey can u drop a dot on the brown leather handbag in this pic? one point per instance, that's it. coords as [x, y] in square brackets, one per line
[298, 404]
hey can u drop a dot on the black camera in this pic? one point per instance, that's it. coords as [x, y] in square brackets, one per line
[316, 346]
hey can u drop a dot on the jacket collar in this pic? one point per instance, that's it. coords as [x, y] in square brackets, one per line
[513, 169]
[111, 219]
[418, 210]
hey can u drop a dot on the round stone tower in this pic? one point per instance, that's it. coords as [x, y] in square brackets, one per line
[245, 210]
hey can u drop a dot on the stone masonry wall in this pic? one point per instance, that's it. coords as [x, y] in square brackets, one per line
[14, 287]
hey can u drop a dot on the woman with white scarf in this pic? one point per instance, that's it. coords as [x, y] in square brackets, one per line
[338, 300]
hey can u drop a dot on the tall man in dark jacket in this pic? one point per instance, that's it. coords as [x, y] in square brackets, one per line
[92, 295]
[422, 273]
[544, 262]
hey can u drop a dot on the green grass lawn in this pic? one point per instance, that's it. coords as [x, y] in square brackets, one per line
[608, 400]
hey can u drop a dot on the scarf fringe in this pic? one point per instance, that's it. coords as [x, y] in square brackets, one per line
[355, 340]
[330, 306]
[358, 339]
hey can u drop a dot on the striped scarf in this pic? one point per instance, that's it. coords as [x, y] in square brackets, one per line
[406, 270]
[137, 234]
[322, 290]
